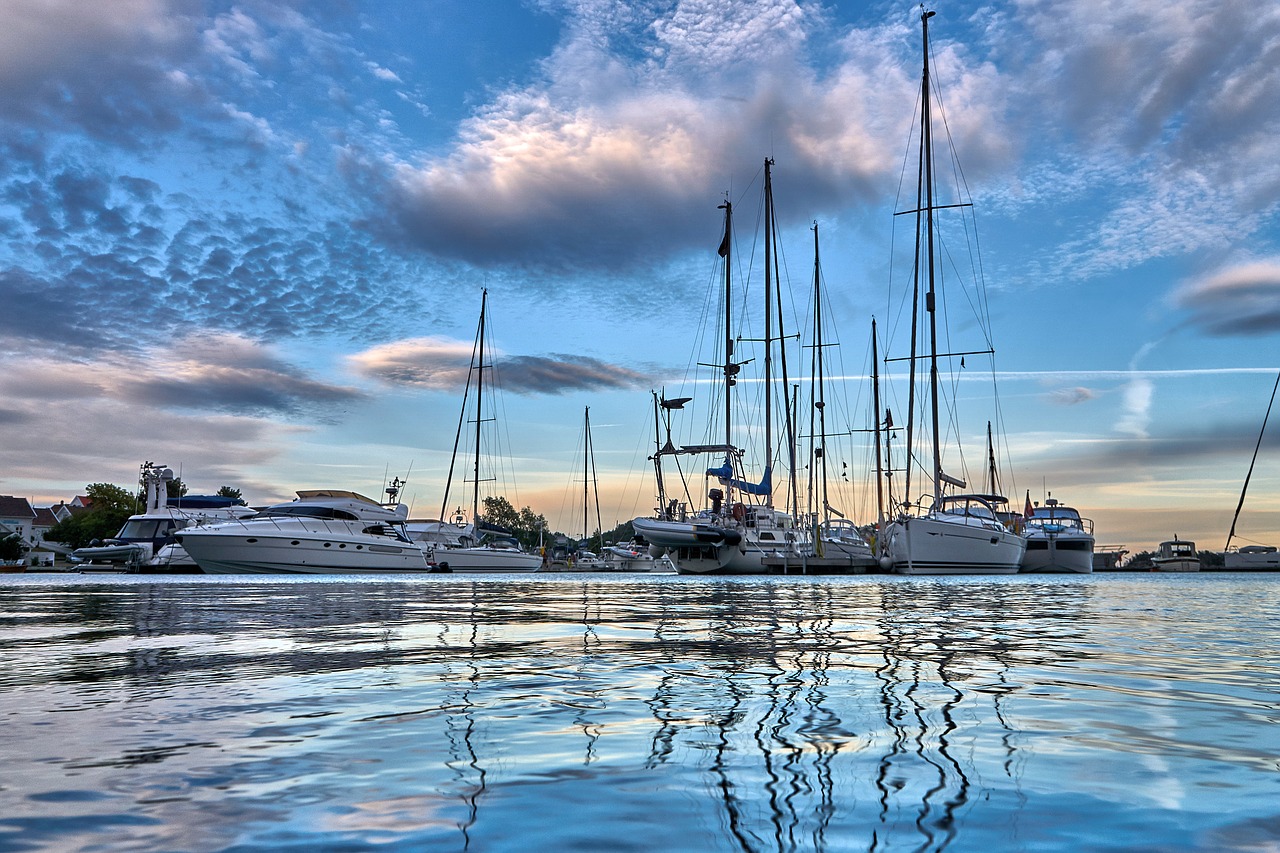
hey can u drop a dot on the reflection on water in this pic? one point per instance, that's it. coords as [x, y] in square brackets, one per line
[495, 713]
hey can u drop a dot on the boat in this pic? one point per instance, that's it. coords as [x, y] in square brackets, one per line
[1251, 558]
[838, 543]
[321, 532]
[634, 556]
[1058, 539]
[739, 527]
[146, 543]
[1176, 555]
[582, 558]
[469, 543]
[950, 532]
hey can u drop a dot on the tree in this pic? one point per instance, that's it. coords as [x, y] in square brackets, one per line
[525, 524]
[12, 547]
[111, 508]
[228, 492]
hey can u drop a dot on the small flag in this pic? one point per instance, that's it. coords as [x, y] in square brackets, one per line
[723, 251]
[1028, 511]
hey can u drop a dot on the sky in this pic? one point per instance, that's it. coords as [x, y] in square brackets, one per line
[249, 240]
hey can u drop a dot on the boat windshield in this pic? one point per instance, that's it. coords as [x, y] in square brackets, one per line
[391, 531]
[146, 529]
[306, 511]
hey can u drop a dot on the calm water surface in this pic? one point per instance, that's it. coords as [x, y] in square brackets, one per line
[1113, 712]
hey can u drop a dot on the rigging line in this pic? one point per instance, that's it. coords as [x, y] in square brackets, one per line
[1248, 476]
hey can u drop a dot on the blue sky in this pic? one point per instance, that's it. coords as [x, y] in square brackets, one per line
[248, 240]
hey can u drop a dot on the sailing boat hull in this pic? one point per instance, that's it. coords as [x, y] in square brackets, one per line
[932, 546]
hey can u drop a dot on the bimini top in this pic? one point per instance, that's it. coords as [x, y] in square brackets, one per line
[334, 494]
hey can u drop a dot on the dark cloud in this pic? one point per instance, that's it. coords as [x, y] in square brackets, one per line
[1240, 301]
[444, 365]
[561, 374]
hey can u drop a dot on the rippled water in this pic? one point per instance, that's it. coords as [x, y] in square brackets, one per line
[1112, 712]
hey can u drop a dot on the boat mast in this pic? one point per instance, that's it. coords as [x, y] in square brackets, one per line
[768, 312]
[730, 369]
[586, 455]
[1245, 488]
[926, 156]
[475, 494]
[820, 403]
[875, 403]
[992, 475]
[657, 456]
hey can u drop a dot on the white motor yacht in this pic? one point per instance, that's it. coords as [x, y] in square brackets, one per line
[1058, 540]
[323, 531]
[1176, 555]
[146, 543]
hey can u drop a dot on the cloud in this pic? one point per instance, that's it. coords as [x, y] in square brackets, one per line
[444, 365]
[1137, 397]
[1072, 396]
[616, 157]
[1166, 116]
[1242, 300]
[205, 372]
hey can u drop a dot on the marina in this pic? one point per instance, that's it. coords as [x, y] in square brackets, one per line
[454, 712]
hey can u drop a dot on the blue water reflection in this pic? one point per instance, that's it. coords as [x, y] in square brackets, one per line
[640, 713]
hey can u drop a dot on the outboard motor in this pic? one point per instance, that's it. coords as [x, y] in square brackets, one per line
[717, 500]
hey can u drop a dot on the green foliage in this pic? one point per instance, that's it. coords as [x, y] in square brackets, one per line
[176, 488]
[527, 525]
[228, 492]
[107, 496]
[111, 507]
[12, 547]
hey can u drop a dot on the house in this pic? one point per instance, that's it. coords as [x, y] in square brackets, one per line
[17, 515]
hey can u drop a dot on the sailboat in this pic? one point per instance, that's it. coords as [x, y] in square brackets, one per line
[739, 528]
[1251, 558]
[458, 542]
[956, 533]
[837, 543]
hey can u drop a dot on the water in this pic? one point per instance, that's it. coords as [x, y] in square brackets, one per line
[1112, 712]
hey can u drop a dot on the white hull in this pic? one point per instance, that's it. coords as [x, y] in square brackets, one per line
[1176, 565]
[486, 560]
[936, 546]
[1255, 561]
[706, 547]
[287, 554]
[1066, 553]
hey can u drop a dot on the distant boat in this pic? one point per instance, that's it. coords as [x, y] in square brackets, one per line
[739, 527]
[1176, 555]
[1058, 539]
[469, 543]
[322, 532]
[1251, 557]
[956, 533]
[146, 543]
[838, 544]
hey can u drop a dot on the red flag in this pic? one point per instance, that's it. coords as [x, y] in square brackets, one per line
[1028, 510]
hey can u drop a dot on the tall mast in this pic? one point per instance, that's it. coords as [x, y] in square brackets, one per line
[586, 455]
[875, 403]
[926, 154]
[475, 495]
[1249, 475]
[657, 455]
[730, 369]
[768, 311]
[820, 403]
